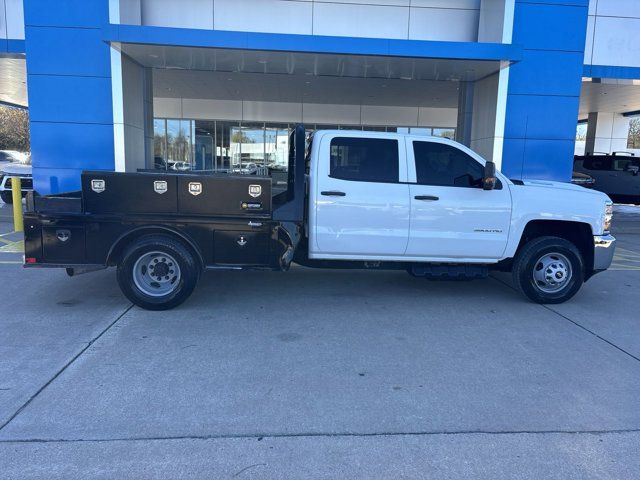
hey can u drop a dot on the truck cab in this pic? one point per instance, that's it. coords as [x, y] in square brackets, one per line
[353, 199]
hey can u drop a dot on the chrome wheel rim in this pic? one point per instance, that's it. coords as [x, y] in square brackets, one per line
[552, 272]
[156, 274]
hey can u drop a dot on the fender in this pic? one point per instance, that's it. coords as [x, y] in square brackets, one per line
[139, 231]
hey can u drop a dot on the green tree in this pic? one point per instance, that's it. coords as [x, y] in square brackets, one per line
[14, 129]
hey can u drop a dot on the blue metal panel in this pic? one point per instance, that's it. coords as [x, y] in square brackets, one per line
[548, 159]
[544, 89]
[532, 18]
[310, 43]
[59, 179]
[545, 72]
[538, 158]
[532, 116]
[610, 71]
[69, 84]
[513, 157]
[15, 46]
[76, 99]
[67, 51]
[72, 145]
[67, 13]
[578, 3]
[11, 46]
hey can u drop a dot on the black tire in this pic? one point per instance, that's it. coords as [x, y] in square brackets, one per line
[163, 247]
[558, 251]
[6, 197]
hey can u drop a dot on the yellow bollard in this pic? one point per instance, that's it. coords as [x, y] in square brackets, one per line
[16, 193]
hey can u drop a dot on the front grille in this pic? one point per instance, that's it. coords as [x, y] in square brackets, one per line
[26, 183]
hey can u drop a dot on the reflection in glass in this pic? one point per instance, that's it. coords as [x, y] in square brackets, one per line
[251, 141]
[449, 133]
[245, 148]
[420, 131]
[205, 145]
[277, 156]
[179, 145]
[223, 145]
[160, 144]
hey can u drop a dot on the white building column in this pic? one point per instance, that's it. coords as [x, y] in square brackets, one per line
[606, 133]
[132, 93]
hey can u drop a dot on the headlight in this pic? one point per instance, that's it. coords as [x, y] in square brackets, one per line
[608, 216]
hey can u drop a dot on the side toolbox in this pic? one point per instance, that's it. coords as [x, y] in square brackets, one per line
[63, 243]
[238, 247]
[126, 193]
[230, 196]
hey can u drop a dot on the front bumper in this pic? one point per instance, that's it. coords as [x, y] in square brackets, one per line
[603, 249]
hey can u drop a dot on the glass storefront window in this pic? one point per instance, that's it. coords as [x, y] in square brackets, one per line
[179, 139]
[277, 156]
[205, 145]
[245, 148]
[160, 144]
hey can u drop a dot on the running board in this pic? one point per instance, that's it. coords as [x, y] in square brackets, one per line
[450, 272]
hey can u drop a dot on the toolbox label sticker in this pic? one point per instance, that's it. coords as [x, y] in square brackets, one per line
[255, 190]
[98, 186]
[251, 206]
[160, 186]
[195, 188]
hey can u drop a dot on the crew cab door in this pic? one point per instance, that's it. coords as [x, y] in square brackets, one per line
[361, 198]
[452, 217]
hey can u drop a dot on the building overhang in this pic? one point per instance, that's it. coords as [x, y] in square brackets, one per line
[250, 52]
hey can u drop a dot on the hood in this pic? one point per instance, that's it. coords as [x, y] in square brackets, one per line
[559, 185]
[16, 169]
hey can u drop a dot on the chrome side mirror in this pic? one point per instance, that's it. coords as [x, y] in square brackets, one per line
[490, 180]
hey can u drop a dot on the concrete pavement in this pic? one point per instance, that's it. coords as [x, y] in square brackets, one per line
[320, 374]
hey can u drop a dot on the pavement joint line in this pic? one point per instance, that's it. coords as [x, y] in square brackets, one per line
[593, 333]
[546, 307]
[322, 434]
[66, 365]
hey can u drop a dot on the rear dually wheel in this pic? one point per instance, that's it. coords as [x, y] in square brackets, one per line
[157, 272]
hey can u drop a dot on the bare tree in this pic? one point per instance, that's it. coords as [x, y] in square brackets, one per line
[634, 133]
[14, 129]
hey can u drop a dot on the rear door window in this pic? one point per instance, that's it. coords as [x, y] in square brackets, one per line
[365, 159]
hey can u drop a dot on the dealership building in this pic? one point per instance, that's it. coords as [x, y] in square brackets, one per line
[217, 84]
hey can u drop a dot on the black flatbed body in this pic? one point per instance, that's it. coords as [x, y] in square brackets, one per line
[227, 221]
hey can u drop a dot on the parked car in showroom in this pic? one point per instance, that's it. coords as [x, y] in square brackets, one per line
[17, 168]
[615, 174]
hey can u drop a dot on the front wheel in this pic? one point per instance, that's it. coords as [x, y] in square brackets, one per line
[157, 272]
[548, 270]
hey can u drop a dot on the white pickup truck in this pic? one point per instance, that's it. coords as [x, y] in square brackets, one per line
[373, 200]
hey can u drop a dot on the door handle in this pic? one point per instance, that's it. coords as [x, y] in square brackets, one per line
[333, 194]
[426, 198]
